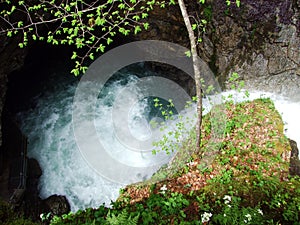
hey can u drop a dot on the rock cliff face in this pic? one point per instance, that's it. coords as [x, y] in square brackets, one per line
[260, 40]
[11, 58]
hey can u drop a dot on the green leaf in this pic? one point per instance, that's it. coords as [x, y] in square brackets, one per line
[136, 18]
[34, 37]
[83, 68]
[75, 72]
[121, 6]
[123, 31]
[50, 38]
[91, 56]
[202, 1]
[12, 9]
[194, 26]
[21, 45]
[137, 29]
[144, 15]
[74, 56]
[204, 22]
[9, 33]
[146, 26]
[100, 21]
[100, 48]
[79, 42]
[67, 8]
[20, 24]
[75, 31]
[188, 54]
[238, 3]
[109, 40]
[57, 14]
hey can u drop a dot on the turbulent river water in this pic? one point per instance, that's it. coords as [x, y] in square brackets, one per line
[48, 125]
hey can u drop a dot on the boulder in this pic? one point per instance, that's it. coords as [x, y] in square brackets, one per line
[56, 205]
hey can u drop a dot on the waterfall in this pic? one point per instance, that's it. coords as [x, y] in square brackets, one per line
[51, 140]
[48, 126]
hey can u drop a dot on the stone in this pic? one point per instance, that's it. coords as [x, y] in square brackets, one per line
[294, 51]
[56, 205]
[11, 58]
[294, 160]
[278, 61]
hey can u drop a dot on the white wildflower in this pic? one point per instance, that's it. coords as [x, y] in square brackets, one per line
[248, 216]
[227, 199]
[163, 189]
[45, 217]
[260, 212]
[205, 217]
[191, 164]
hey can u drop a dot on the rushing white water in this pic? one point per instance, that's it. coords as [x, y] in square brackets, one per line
[48, 127]
[51, 140]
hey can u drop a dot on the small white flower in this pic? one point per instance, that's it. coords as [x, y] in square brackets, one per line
[205, 217]
[260, 212]
[163, 189]
[191, 164]
[227, 199]
[248, 216]
[42, 215]
[224, 215]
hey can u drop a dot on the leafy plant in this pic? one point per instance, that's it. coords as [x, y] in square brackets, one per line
[121, 219]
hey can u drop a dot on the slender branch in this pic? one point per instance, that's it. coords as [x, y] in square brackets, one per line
[196, 70]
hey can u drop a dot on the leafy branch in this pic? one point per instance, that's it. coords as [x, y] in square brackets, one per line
[87, 25]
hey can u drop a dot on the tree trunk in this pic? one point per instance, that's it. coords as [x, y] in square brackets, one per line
[196, 67]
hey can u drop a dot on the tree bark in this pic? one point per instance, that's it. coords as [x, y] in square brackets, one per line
[196, 68]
